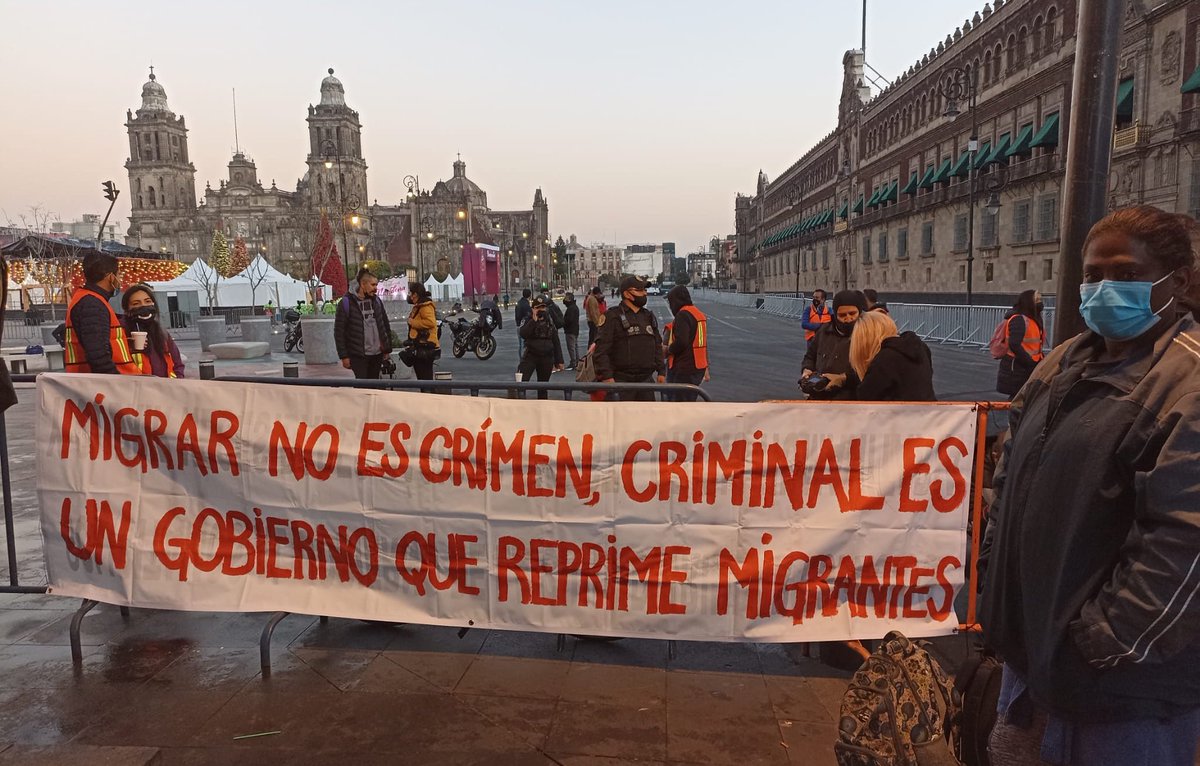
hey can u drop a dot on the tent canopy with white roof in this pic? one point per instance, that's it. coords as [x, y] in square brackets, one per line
[450, 290]
[254, 286]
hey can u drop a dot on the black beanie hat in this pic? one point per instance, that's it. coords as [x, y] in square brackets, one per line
[850, 298]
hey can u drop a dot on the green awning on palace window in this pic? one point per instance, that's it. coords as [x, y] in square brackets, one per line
[982, 155]
[927, 179]
[875, 197]
[1192, 84]
[911, 186]
[1048, 135]
[1125, 100]
[943, 173]
[844, 210]
[1021, 146]
[858, 206]
[826, 217]
[962, 168]
[1000, 153]
[893, 192]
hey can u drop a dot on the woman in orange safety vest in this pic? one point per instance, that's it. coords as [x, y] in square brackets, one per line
[1026, 337]
[161, 356]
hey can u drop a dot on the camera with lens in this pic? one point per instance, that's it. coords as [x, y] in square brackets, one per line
[814, 384]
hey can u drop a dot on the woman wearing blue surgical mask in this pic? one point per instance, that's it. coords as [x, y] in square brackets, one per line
[1091, 564]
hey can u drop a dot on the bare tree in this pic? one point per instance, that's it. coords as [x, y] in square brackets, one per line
[256, 273]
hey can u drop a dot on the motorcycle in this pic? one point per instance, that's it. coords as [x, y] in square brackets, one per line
[293, 339]
[473, 336]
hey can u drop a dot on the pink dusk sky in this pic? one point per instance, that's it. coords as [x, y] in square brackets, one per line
[639, 119]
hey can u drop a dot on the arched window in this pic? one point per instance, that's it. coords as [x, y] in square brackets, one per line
[987, 67]
[153, 199]
[1051, 33]
[1010, 61]
[1022, 46]
[1037, 38]
[996, 62]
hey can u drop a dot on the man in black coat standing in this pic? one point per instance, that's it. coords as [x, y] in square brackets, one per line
[571, 328]
[828, 353]
[522, 315]
[361, 331]
[543, 352]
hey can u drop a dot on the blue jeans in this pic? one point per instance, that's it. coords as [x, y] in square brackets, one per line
[1023, 733]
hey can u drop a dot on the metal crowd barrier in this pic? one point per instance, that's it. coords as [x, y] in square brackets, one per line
[10, 538]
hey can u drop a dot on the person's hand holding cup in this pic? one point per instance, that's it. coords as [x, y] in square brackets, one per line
[138, 339]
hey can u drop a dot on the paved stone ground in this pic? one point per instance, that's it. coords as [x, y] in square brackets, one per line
[180, 688]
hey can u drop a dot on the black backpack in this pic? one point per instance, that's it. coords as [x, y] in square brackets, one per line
[556, 315]
[978, 684]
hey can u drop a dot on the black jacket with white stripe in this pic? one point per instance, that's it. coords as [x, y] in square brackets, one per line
[1091, 590]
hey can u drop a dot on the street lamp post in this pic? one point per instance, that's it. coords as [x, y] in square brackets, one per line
[415, 194]
[964, 85]
[347, 206]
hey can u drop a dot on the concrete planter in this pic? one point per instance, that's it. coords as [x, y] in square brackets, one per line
[318, 340]
[256, 330]
[212, 330]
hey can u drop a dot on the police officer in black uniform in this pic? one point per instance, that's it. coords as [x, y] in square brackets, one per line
[629, 344]
[543, 352]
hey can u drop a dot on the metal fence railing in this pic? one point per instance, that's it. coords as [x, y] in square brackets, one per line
[969, 326]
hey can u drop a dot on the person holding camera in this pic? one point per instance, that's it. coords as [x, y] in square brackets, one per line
[543, 351]
[827, 372]
[423, 347]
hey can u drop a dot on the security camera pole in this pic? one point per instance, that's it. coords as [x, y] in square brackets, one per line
[111, 192]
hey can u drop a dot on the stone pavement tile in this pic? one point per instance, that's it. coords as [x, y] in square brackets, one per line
[154, 717]
[49, 716]
[93, 755]
[215, 629]
[516, 643]
[37, 601]
[614, 684]
[830, 692]
[384, 675]
[514, 677]
[50, 667]
[527, 720]
[442, 671]
[17, 623]
[209, 668]
[721, 718]
[640, 652]
[715, 656]
[346, 634]
[795, 699]
[616, 731]
[789, 660]
[596, 760]
[232, 756]
[810, 744]
[101, 625]
[307, 719]
[339, 667]
[435, 638]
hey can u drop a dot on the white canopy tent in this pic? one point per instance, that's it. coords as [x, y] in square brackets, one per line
[450, 290]
[258, 283]
[269, 284]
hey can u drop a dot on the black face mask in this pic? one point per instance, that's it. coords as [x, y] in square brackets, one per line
[844, 328]
[1039, 306]
[638, 300]
[145, 313]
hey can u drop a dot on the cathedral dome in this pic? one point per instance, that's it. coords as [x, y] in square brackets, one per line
[154, 96]
[459, 183]
[332, 92]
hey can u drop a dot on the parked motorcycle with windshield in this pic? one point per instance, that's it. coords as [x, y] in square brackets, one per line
[473, 335]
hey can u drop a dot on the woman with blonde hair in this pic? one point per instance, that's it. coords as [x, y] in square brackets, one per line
[891, 366]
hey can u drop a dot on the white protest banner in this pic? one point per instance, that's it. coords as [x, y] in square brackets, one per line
[764, 522]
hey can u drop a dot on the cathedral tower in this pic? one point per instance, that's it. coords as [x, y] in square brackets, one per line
[162, 179]
[335, 139]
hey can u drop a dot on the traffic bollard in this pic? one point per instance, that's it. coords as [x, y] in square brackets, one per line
[208, 371]
[291, 369]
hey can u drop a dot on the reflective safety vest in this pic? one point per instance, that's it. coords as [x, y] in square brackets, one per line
[818, 316]
[143, 363]
[74, 357]
[1034, 340]
[699, 343]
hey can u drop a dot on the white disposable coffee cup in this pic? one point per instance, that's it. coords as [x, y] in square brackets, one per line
[139, 340]
[520, 377]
